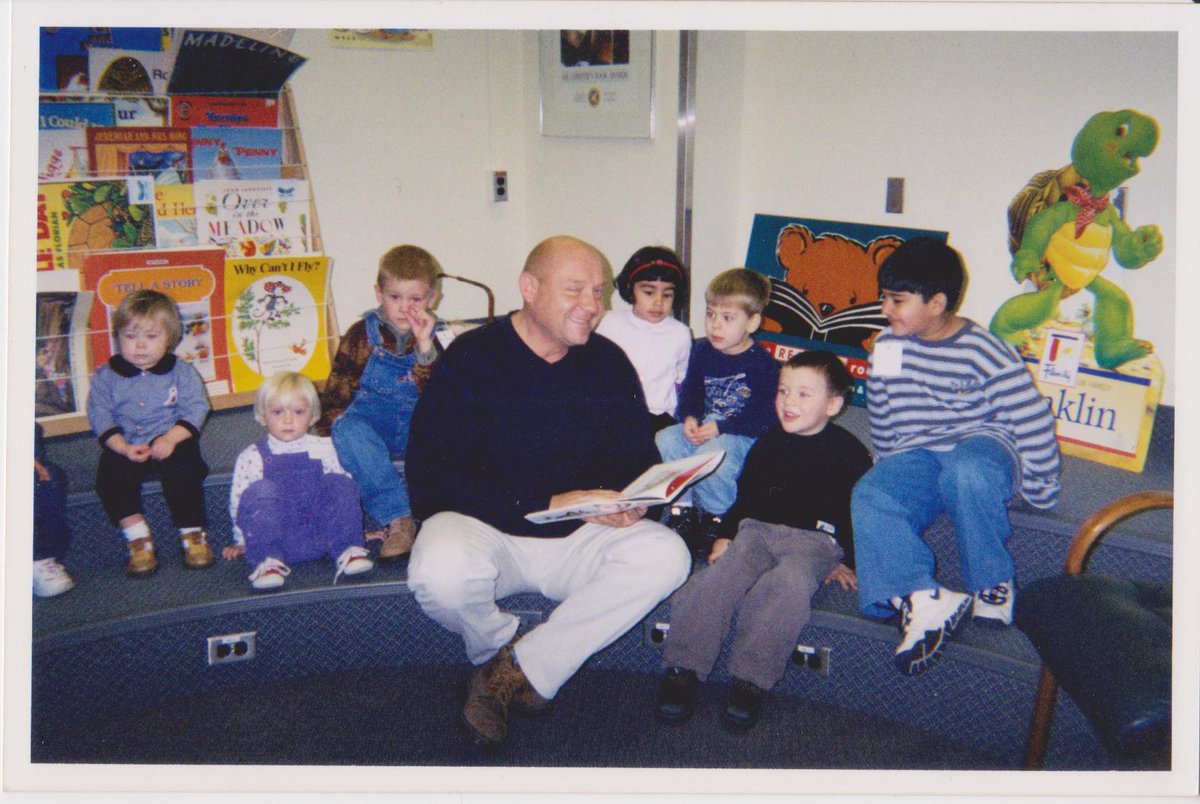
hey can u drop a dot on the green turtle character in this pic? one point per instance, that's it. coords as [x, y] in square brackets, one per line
[1062, 228]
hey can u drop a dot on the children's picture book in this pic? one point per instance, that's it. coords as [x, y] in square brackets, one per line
[119, 110]
[63, 52]
[192, 277]
[82, 215]
[658, 485]
[268, 218]
[164, 153]
[175, 215]
[61, 357]
[62, 144]
[142, 72]
[277, 318]
[57, 112]
[224, 110]
[220, 154]
[223, 63]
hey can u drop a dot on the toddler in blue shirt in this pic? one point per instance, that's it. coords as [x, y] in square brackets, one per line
[147, 407]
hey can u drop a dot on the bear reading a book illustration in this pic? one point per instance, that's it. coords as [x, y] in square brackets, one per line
[830, 292]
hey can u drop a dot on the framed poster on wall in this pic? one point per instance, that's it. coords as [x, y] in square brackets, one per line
[597, 83]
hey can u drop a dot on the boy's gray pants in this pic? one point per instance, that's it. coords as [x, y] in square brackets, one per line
[768, 575]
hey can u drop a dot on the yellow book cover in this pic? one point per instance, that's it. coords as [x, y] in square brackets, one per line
[78, 216]
[174, 215]
[277, 313]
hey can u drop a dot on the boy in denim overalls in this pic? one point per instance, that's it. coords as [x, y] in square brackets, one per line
[380, 367]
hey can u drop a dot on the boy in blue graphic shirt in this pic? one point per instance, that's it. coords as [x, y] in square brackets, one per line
[726, 402]
[378, 372]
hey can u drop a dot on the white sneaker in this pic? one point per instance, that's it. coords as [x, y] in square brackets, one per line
[50, 578]
[994, 607]
[928, 617]
[271, 573]
[353, 561]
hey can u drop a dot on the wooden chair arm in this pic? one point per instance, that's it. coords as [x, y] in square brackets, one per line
[1079, 551]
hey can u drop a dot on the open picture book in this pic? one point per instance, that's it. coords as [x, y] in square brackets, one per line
[658, 485]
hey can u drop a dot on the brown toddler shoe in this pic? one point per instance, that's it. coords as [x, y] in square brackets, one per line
[196, 552]
[398, 538]
[141, 561]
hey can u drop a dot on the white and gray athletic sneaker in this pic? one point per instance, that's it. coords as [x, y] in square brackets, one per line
[994, 607]
[928, 617]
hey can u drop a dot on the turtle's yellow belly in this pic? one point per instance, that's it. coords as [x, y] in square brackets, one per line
[1076, 262]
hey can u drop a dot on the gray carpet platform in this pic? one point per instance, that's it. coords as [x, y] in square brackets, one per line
[114, 645]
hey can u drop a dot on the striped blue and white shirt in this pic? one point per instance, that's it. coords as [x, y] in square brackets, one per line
[939, 393]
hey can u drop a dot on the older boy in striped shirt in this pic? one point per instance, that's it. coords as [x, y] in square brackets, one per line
[957, 427]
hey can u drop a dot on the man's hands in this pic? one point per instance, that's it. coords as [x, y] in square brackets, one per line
[697, 433]
[570, 499]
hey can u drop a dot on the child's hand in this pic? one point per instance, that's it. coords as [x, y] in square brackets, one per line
[718, 549]
[708, 431]
[138, 453]
[844, 577]
[232, 551]
[42, 472]
[697, 433]
[161, 448]
[422, 328]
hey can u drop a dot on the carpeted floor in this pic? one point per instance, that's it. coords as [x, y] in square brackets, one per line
[408, 716]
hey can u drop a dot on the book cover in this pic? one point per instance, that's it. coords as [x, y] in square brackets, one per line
[190, 276]
[658, 485]
[63, 52]
[62, 144]
[126, 110]
[174, 215]
[164, 153]
[224, 110]
[277, 318]
[77, 216]
[61, 359]
[120, 70]
[230, 64]
[220, 153]
[56, 112]
[254, 218]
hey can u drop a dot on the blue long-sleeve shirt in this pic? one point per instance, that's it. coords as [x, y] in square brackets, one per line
[498, 430]
[969, 384]
[142, 405]
[735, 391]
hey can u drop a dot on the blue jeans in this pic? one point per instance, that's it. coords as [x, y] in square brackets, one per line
[894, 503]
[715, 493]
[366, 436]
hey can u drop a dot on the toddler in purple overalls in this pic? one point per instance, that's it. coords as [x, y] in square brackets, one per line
[291, 500]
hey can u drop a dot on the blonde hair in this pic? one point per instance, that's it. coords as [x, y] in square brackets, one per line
[150, 305]
[408, 262]
[286, 385]
[748, 288]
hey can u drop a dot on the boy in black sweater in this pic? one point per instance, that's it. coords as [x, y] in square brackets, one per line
[792, 522]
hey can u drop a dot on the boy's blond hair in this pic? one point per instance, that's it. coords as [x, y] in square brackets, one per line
[286, 385]
[748, 288]
[408, 262]
[149, 304]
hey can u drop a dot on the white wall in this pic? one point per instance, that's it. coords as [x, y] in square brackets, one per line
[966, 118]
[401, 143]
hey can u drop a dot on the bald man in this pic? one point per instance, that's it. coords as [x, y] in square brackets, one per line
[528, 413]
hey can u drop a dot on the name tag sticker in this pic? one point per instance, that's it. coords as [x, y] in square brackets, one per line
[887, 359]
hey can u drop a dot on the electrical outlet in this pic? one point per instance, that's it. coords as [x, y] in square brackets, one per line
[816, 659]
[231, 647]
[499, 185]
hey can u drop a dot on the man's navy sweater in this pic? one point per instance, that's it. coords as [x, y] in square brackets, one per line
[498, 430]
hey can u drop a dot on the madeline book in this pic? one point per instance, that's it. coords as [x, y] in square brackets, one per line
[161, 152]
[224, 110]
[658, 485]
[61, 358]
[75, 216]
[248, 218]
[224, 63]
[278, 317]
[220, 153]
[190, 276]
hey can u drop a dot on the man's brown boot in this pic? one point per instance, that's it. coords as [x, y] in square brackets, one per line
[398, 538]
[490, 690]
[141, 561]
[196, 552]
